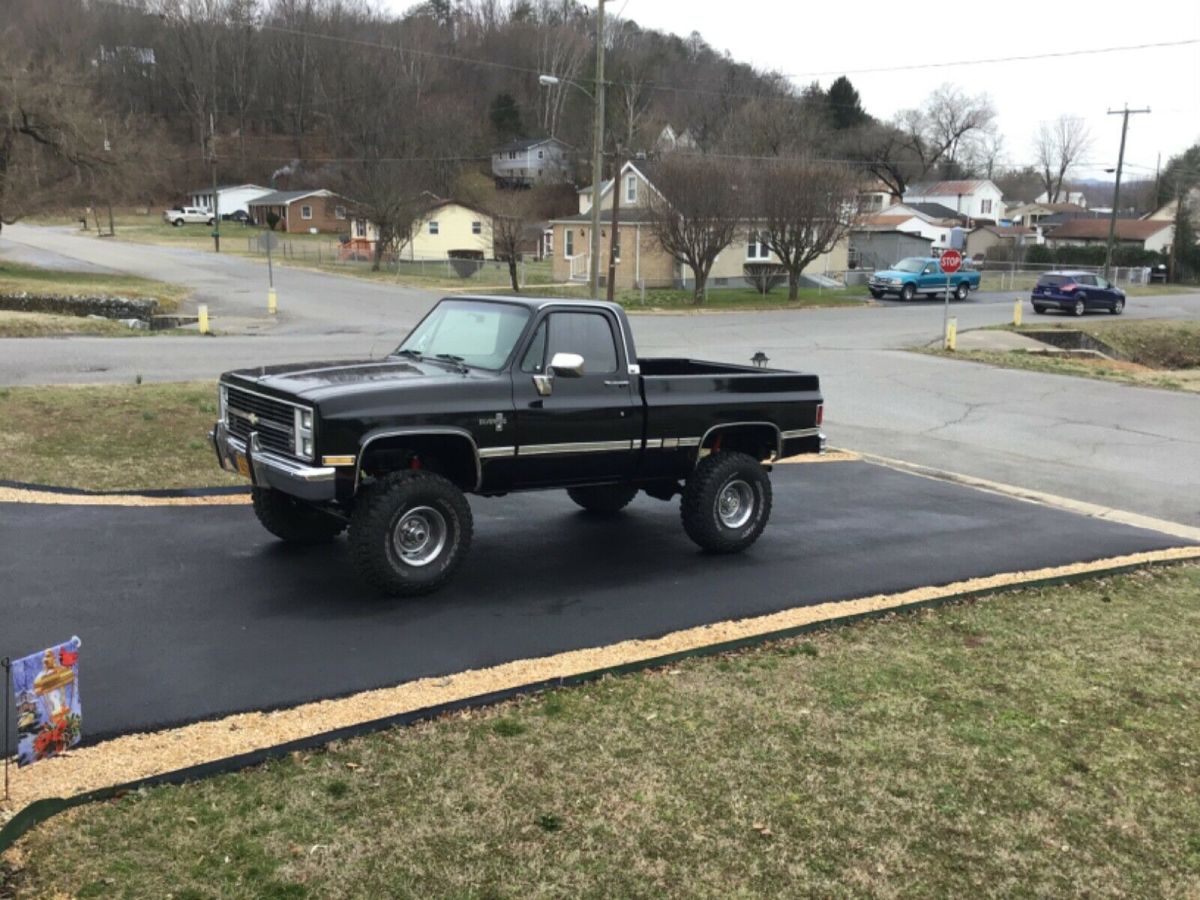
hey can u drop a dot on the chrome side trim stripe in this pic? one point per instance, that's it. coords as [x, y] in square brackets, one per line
[801, 432]
[495, 452]
[581, 447]
[653, 443]
[689, 442]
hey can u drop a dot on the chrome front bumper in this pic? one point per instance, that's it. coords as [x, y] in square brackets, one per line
[266, 469]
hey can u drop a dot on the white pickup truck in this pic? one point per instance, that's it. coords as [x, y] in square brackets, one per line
[187, 215]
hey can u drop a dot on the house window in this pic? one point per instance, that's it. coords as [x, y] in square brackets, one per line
[340, 212]
[306, 212]
[433, 227]
[985, 207]
[512, 154]
[631, 189]
[360, 228]
[476, 227]
[540, 154]
[755, 248]
[568, 244]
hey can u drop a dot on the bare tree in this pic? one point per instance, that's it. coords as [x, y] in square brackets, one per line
[512, 214]
[803, 210]
[698, 212]
[1058, 147]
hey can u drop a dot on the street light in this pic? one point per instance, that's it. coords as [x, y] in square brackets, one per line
[597, 148]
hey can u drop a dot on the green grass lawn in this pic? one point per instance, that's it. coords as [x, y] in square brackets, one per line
[1035, 744]
[719, 298]
[110, 437]
[23, 324]
[18, 278]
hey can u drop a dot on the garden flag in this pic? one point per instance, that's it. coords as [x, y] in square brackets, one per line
[46, 685]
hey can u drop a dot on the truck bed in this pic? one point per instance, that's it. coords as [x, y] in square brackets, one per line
[685, 398]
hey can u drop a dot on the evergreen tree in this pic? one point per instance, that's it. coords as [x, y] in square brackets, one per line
[506, 117]
[845, 106]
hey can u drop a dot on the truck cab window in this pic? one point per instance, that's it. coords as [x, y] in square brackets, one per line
[534, 360]
[589, 335]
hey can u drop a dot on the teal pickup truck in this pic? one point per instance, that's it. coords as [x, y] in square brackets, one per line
[922, 275]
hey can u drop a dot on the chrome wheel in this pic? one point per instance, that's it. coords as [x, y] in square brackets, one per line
[735, 503]
[419, 536]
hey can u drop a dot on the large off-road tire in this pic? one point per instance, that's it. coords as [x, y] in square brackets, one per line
[294, 520]
[604, 499]
[726, 502]
[410, 532]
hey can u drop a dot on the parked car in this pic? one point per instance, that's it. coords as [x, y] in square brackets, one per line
[187, 215]
[495, 394]
[1076, 293]
[922, 275]
[238, 215]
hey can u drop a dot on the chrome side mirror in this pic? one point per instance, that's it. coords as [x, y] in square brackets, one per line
[568, 365]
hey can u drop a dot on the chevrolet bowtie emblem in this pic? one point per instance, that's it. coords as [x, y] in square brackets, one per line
[252, 418]
[498, 420]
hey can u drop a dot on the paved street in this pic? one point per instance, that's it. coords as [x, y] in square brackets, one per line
[217, 616]
[1131, 448]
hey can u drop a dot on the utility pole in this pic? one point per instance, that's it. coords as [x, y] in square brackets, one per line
[597, 155]
[613, 241]
[1112, 219]
[212, 153]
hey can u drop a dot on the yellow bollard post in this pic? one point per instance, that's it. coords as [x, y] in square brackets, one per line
[272, 301]
[1017, 312]
[951, 333]
[202, 312]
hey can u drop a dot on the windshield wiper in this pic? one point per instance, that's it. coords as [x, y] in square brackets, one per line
[412, 354]
[459, 361]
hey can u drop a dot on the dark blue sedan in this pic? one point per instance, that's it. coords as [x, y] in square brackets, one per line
[1076, 293]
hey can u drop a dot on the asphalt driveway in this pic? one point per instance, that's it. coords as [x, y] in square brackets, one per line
[195, 612]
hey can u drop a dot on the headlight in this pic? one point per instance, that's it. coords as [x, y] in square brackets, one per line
[304, 433]
[223, 405]
[894, 281]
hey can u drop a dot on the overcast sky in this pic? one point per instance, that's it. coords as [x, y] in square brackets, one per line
[818, 41]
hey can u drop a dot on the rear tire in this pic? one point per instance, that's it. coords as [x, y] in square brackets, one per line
[1040, 310]
[410, 532]
[603, 499]
[292, 520]
[726, 502]
[1080, 307]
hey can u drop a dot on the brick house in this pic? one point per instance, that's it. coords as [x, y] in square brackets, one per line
[301, 212]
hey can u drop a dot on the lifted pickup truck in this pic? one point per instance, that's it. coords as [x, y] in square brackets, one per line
[922, 275]
[495, 394]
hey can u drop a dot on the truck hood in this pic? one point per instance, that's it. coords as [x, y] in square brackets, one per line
[894, 273]
[311, 380]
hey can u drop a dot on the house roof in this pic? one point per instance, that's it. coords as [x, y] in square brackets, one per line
[935, 210]
[439, 203]
[1005, 230]
[1127, 229]
[946, 188]
[227, 187]
[527, 143]
[284, 198]
[907, 234]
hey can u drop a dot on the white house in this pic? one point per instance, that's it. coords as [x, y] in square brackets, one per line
[978, 199]
[900, 217]
[1076, 197]
[529, 161]
[232, 196]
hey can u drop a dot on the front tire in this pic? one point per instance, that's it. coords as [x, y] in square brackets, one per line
[1118, 307]
[604, 499]
[876, 294]
[726, 502]
[292, 520]
[178, 223]
[908, 292]
[960, 292]
[410, 532]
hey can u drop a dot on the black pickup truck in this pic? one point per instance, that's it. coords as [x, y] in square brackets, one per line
[495, 394]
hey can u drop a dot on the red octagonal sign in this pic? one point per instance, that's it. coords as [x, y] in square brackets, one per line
[951, 261]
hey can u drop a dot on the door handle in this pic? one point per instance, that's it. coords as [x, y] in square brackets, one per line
[616, 384]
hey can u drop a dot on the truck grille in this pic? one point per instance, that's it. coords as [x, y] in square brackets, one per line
[274, 420]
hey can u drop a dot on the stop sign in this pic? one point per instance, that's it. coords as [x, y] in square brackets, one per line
[951, 261]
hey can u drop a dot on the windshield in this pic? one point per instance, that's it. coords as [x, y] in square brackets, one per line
[474, 332]
[912, 264]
